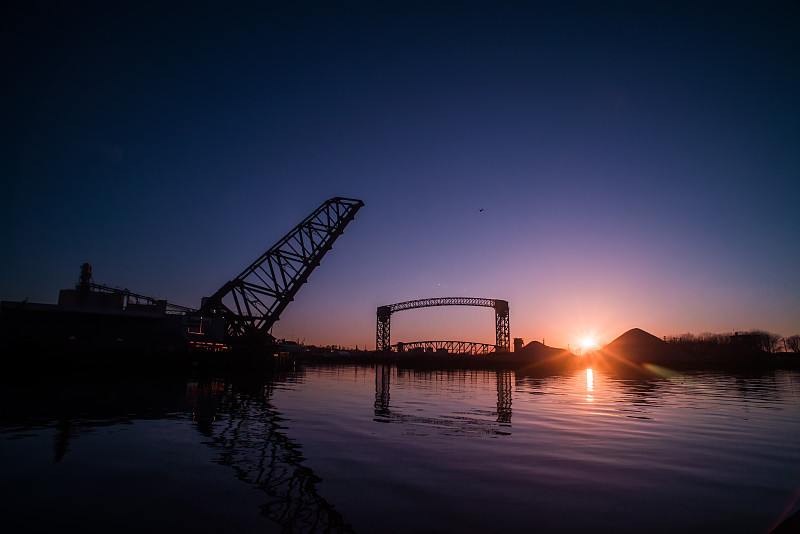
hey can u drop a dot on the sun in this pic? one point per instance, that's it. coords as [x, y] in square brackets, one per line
[587, 339]
[588, 343]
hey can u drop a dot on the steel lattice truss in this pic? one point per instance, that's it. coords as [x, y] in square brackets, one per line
[443, 301]
[503, 337]
[253, 301]
[453, 347]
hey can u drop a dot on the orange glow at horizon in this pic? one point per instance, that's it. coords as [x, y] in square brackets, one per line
[588, 343]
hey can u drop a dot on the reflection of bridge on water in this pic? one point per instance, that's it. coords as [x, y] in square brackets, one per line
[461, 423]
[239, 421]
[502, 332]
[245, 427]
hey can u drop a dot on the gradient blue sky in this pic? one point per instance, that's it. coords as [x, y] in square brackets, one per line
[637, 163]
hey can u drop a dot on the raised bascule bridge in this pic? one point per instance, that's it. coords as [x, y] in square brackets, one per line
[253, 301]
[98, 318]
[502, 338]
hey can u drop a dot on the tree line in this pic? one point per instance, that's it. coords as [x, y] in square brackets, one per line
[749, 341]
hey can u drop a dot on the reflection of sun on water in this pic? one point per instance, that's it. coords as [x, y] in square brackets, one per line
[589, 384]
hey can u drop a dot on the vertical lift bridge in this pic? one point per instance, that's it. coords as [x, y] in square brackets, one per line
[382, 335]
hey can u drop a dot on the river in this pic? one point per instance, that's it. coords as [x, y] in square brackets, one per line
[355, 448]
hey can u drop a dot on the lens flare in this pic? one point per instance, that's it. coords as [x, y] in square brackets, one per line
[588, 343]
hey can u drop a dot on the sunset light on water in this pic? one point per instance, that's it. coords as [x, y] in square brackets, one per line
[523, 452]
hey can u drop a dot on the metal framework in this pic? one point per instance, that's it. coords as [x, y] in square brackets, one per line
[384, 313]
[452, 347]
[134, 298]
[86, 285]
[253, 301]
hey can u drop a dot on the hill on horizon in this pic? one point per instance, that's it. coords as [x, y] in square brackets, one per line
[639, 346]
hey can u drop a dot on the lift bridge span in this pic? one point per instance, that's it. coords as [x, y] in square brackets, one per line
[503, 338]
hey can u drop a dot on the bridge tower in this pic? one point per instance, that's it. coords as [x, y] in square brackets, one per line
[502, 329]
[382, 338]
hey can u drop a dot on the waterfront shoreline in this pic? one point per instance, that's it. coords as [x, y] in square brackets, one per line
[235, 361]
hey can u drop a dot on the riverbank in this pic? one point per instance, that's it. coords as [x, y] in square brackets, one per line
[547, 360]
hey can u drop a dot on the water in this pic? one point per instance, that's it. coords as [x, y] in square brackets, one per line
[380, 449]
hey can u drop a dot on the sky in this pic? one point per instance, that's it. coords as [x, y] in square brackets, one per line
[601, 167]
